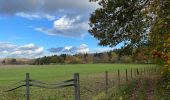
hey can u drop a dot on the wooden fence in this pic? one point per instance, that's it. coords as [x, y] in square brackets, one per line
[67, 83]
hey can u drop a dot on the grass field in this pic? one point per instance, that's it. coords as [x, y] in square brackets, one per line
[58, 72]
[54, 73]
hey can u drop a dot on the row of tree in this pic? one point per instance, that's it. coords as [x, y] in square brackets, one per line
[116, 56]
[16, 61]
[139, 55]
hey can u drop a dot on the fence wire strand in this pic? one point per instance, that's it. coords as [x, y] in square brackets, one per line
[40, 82]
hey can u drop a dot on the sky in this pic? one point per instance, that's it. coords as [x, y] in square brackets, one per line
[36, 28]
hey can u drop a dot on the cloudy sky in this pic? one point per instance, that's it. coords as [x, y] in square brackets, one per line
[34, 28]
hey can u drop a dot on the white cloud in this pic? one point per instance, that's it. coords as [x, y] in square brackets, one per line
[11, 7]
[83, 48]
[6, 46]
[27, 47]
[23, 51]
[71, 27]
[68, 47]
[4, 52]
[70, 24]
[99, 50]
[16, 53]
[39, 50]
[35, 16]
[65, 23]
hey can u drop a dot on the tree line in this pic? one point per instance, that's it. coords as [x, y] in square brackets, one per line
[139, 55]
[115, 56]
[16, 61]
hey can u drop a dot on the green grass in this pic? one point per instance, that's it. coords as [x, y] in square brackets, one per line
[124, 92]
[58, 72]
[92, 77]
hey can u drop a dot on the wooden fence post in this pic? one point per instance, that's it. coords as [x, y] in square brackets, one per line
[77, 86]
[126, 75]
[131, 73]
[137, 71]
[118, 77]
[27, 87]
[106, 82]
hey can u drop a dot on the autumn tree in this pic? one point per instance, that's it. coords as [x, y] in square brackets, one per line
[68, 59]
[113, 57]
[141, 55]
[160, 32]
[89, 58]
[121, 21]
[54, 59]
[135, 23]
[160, 38]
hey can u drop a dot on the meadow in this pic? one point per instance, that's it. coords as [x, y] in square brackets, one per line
[91, 79]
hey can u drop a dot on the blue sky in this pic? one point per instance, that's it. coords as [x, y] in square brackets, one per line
[34, 28]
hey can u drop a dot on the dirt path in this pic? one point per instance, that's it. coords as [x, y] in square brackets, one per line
[149, 91]
[134, 93]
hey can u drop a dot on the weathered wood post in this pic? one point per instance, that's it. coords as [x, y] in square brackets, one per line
[106, 82]
[131, 73]
[126, 75]
[118, 77]
[137, 71]
[77, 86]
[27, 86]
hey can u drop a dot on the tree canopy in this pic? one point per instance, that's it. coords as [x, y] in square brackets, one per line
[121, 21]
